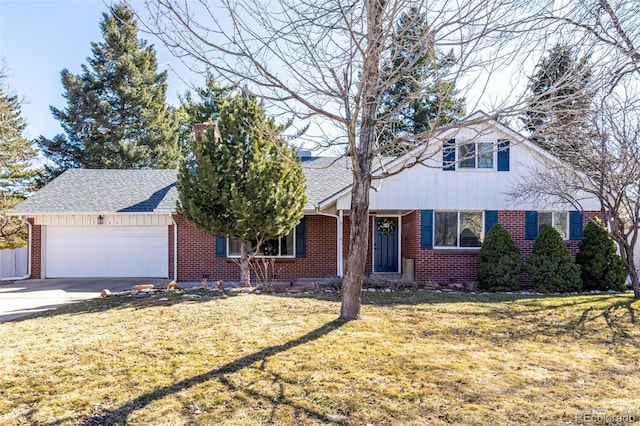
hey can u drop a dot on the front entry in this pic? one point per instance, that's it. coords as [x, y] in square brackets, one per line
[385, 244]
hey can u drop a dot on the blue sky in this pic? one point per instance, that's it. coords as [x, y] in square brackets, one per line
[39, 38]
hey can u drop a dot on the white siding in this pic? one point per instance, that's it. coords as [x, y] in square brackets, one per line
[423, 187]
[109, 220]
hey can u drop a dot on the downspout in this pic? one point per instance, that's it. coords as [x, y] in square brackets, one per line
[175, 248]
[339, 238]
[28, 255]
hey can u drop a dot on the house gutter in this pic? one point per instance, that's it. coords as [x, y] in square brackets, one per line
[339, 220]
[28, 255]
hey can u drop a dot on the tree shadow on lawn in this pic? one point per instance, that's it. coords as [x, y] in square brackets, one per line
[531, 320]
[121, 414]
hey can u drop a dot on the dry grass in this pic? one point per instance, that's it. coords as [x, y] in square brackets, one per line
[415, 358]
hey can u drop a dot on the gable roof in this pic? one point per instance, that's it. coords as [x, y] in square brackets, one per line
[109, 191]
[413, 157]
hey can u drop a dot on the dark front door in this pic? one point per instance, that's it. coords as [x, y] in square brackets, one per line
[386, 244]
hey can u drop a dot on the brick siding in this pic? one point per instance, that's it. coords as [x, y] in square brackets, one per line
[197, 255]
[446, 266]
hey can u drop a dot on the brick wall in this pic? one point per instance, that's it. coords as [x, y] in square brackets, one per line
[36, 250]
[197, 255]
[446, 266]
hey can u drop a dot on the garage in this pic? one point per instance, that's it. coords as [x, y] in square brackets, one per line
[105, 251]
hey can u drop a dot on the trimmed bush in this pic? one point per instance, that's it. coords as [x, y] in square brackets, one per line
[551, 267]
[601, 268]
[499, 261]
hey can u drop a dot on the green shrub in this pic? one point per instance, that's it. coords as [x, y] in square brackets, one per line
[551, 266]
[499, 261]
[601, 268]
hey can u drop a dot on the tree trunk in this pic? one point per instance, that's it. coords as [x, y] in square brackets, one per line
[361, 159]
[626, 252]
[245, 273]
[358, 249]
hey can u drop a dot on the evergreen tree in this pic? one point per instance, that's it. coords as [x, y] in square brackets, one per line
[499, 261]
[204, 110]
[550, 264]
[247, 184]
[422, 99]
[116, 114]
[17, 170]
[601, 268]
[559, 107]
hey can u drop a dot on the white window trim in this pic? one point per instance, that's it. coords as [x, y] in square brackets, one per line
[457, 247]
[494, 144]
[553, 221]
[288, 256]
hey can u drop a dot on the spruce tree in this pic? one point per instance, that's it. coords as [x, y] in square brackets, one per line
[499, 261]
[601, 268]
[17, 170]
[423, 99]
[559, 112]
[116, 114]
[550, 264]
[246, 184]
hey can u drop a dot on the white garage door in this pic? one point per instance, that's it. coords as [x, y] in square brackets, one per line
[106, 251]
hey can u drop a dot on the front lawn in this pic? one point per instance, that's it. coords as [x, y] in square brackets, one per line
[415, 358]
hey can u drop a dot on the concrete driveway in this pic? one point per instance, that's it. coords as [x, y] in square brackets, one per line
[28, 296]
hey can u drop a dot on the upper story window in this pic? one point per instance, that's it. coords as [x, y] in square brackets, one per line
[482, 155]
[279, 247]
[476, 155]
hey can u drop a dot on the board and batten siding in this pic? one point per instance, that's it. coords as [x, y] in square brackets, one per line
[108, 220]
[431, 187]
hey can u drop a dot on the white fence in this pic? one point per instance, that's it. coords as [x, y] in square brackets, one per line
[13, 263]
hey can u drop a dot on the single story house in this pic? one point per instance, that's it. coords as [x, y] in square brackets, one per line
[431, 217]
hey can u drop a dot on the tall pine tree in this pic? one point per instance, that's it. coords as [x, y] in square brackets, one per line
[17, 170]
[247, 183]
[116, 114]
[422, 99]
[559, 110]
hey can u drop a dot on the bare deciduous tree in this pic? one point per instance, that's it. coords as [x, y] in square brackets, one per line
[610, 158]
[321, 61]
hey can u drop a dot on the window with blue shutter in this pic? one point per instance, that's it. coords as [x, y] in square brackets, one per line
[449, 155]
[490, 219]
[575, 225]
[503, 155]
[530, 225]
[301, 238]
[426, 229]
[221, 246]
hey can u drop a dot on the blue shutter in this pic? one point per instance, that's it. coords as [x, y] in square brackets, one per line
[426, 229]
[301, 238]
[503, 155]
[490, 219]
[221, 246]
[530, 225]
[575, 225]
[449, 155]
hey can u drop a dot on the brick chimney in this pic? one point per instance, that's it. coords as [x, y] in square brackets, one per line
[201, 128]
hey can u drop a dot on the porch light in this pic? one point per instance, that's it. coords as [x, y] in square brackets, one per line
[100, 220]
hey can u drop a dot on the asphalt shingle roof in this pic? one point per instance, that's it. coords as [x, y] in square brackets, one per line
[86, 191]
[104, 191]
